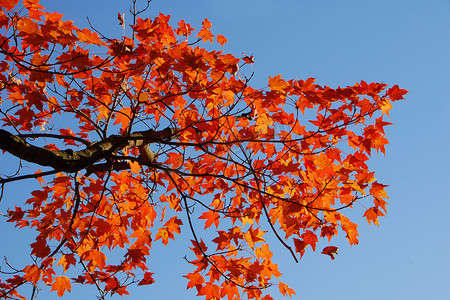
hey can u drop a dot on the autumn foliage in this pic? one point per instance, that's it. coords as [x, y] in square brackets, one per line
[136, 140]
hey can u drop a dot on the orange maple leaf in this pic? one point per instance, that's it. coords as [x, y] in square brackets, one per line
[263, 122]
[211, 217]
[221, 39]
[89, 37]
[184, 28]
[211, 291]
[277, 84]
[175, 160]
[285, 290]
[206, 35]
[32, 273]
[206, 23]
[253, 236]
[95, 257]
[135, 167]
[123, 117]
[61, 285]
[386, 106]
[167, 232]
[300, 246]
[195, 279]
[66, 260]
[372, 215]
[27, 26]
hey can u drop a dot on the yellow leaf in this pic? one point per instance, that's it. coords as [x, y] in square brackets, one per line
[246, 220]
[386, 106]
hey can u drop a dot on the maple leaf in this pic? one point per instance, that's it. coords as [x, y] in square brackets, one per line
[386, 106]
[27, 26]
[264, 252]
[253, 236]
[61, 285]
[331, 251]
[206, 35]
[377, 190]
[206, 24]
[285, 290]
[175, 160]
[263, 122]
[167, 232]
[89, 37]
[112, 284]
[210, 291]
[148, 279]
[328, 231]
[222, 240]
[300, 246]
[66, 260]
[277, 84]
[123, 117]
[122, 291]
[32, 273]
[4, 20]
[183, 28]
[199, 248]
[68, 132]
[372, 215]
[396, 93]
[249, 59]
[135, 167]
[15, 215]
[95, 257]
[221, 39]
[40, 248]
[351, 231]
[195, 280]
[310, 238]
[211, 217]
[135, 255]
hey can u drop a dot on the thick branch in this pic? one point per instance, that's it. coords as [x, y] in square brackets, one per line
[73, 161]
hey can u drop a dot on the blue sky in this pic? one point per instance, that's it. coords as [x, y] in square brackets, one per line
[339, 43]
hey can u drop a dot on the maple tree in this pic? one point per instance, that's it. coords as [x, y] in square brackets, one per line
[136, 140]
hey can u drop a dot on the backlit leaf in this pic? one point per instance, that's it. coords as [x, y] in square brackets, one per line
[61, 285]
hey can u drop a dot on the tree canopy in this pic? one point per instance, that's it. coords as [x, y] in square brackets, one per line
[137, 139]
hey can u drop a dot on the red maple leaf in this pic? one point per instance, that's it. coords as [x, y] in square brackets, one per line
[331, 251]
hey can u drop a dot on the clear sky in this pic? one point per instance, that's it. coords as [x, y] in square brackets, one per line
[404, 42]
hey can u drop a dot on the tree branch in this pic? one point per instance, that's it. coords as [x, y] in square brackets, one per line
[72, 161]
